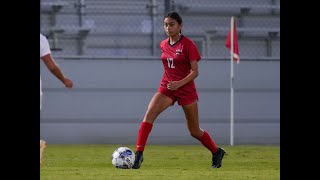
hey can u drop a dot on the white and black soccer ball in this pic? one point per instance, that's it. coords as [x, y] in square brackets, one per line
[123, 158]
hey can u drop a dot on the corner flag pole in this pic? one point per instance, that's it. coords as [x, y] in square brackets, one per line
[231, 83]
[232, 45]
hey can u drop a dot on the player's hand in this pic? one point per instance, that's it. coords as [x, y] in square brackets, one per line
[68, 83]
[174, 85]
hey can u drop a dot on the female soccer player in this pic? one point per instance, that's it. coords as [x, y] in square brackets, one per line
[45, 55]
[180, 58]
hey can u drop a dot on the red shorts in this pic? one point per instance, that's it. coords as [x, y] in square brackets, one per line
[184, 95]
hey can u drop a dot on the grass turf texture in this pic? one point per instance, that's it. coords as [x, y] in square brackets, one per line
[161, 162]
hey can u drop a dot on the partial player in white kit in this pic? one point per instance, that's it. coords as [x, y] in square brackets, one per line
[45, 55]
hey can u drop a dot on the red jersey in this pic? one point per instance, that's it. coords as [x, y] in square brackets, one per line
[176, 60]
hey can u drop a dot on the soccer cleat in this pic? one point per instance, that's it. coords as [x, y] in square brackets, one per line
[138, 160]
[217, 158]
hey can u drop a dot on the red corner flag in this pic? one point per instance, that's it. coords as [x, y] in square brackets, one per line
[233, 29]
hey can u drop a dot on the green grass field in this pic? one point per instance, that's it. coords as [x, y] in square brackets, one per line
[161, 162]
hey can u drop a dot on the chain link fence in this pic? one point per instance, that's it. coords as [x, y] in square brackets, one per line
[130, 28]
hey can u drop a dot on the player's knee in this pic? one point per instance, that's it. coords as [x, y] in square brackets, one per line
[150, 116]
[152, 113]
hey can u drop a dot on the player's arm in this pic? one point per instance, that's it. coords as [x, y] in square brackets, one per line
[194, 72]
[55, 70]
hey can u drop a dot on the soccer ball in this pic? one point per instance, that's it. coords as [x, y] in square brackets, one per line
[123, 158]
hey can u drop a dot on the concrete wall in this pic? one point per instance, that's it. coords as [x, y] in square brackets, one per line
[110, 97]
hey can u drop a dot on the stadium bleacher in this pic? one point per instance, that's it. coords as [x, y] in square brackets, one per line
[128, 25]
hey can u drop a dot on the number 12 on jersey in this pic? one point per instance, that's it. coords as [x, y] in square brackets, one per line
[170, 63]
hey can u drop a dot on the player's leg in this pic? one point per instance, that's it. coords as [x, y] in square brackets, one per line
[42, 142]
[192, 117]
[43, 145]
[158, 104]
